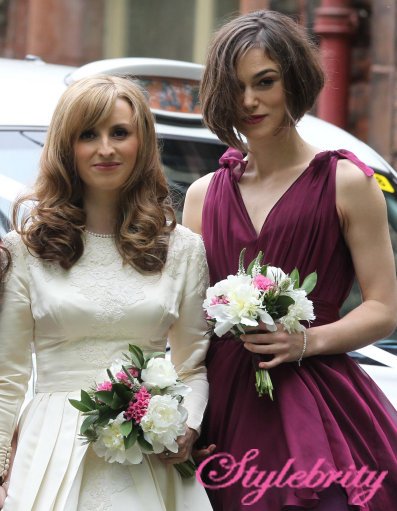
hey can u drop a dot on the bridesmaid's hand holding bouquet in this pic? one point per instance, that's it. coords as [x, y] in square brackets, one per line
[260, 293]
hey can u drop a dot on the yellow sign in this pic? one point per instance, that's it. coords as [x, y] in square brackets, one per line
[384, 183]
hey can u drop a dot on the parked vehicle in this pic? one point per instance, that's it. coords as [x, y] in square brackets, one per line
[29, 91]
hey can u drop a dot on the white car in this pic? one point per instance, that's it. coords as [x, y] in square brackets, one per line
[30, 89]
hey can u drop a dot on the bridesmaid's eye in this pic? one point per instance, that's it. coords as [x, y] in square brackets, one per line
[266, 82]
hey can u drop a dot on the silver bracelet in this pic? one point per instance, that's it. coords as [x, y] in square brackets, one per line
[304, 347]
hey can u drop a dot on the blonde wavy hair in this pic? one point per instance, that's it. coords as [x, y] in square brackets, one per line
[5, 262]
[53, 228]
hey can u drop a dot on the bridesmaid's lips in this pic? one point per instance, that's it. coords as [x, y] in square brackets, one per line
[254, 119]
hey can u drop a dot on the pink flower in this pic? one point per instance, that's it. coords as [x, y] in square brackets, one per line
[121, 376]
[263, 283]
[215, 300]
[137, 408]
[106, 385]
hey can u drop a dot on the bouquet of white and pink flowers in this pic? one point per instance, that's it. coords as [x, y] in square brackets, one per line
[260, 293]
[137, 411]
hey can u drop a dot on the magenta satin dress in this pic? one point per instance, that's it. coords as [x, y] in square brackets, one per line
[328, 409]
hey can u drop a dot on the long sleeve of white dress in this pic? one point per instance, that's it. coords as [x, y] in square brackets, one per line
[188, 345]
[16, 335]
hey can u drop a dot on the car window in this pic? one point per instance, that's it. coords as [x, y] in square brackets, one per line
[185, 161]
[20, 153]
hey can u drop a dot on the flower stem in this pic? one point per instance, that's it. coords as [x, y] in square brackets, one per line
[263, 383]
[186, 469]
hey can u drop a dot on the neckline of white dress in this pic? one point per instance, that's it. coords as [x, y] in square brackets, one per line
[100, 235]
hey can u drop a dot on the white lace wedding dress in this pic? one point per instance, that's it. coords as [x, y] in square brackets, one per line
[80, 320]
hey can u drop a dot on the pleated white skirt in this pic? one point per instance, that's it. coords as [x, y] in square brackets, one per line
[55, 471]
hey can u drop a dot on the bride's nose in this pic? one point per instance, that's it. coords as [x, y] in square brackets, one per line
[105, 147]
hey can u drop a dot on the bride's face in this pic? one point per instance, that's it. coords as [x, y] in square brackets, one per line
[105, 155]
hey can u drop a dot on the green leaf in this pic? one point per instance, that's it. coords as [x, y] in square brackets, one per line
[106, 396]
[126, 428]
[310, 282]
[186, 469]
[131, 438]
[281, 306]
[104, 418]
[264, 269]
[156, 354]
[89, 436]
[111, 377]
[123, 392]
[136, 356]
[87, 423]
[144, 445]
[294, 276]
[86, 399]
[79, 405]
[116, 402]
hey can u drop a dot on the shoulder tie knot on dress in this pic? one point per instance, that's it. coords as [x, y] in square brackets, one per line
[233, 159]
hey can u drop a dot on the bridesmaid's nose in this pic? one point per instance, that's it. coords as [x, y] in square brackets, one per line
[250, 100]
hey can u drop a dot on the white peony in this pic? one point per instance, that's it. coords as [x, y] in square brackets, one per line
[163, 422]
[301, 310]
[110, 444]
[280, 278]
[160, 372]
[243, 304]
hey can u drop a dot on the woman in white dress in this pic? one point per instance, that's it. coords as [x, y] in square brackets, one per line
[97, 263]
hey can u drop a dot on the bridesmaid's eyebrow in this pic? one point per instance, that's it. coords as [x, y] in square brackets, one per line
[264, 72]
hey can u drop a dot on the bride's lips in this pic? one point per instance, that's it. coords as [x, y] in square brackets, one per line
[107, 165]
[254, 119]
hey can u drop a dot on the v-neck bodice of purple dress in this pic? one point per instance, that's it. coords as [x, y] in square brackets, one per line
[302, 229]
[328, 409]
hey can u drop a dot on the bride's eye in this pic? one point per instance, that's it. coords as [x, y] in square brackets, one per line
[120, 132]
[87, 135]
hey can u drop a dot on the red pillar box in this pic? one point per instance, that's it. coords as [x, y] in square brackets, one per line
[335, 23]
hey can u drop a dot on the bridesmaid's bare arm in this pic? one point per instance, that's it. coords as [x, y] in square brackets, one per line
[194, 201]
[363, 217]
[362, 211]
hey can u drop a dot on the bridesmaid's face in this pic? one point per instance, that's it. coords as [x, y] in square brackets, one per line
[262, 95]
[105, 155]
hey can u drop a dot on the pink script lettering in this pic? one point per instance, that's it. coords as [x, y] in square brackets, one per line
[226, 471]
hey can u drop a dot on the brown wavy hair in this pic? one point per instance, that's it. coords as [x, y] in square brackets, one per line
[283, 41]
[53, 228]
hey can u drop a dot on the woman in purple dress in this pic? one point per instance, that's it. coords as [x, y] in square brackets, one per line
[328, 440]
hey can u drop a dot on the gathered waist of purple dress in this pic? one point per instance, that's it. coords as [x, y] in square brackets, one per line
[325, 312]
